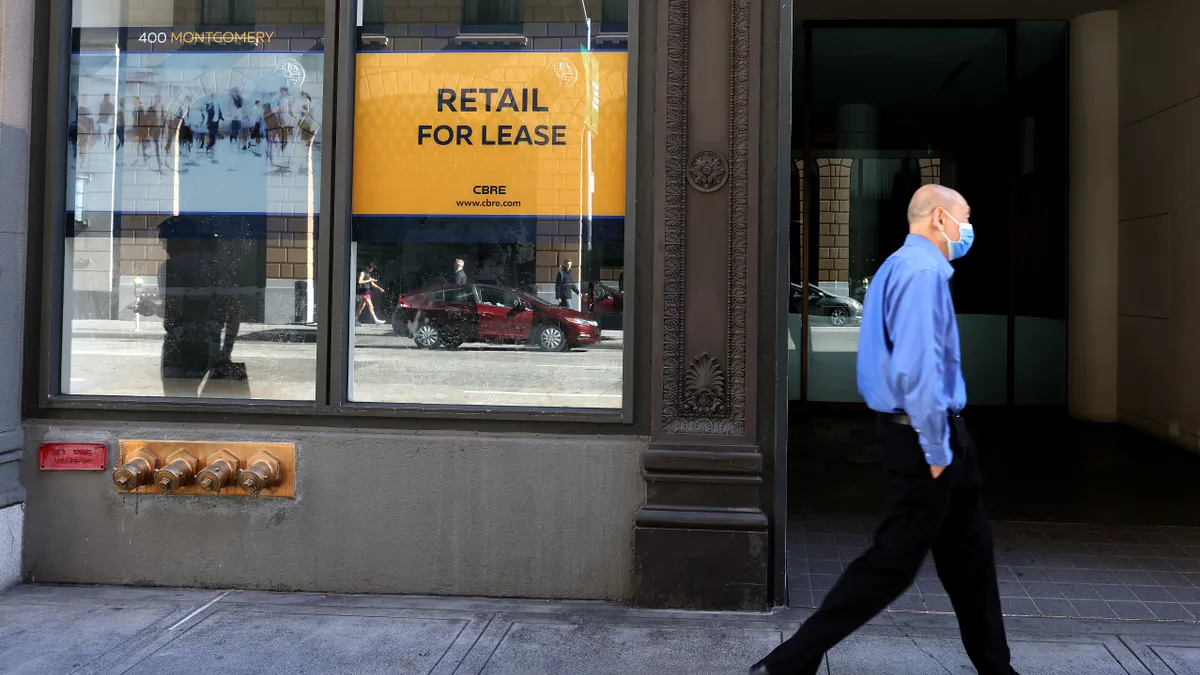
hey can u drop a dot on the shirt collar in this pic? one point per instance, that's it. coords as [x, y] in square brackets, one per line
[930, 251]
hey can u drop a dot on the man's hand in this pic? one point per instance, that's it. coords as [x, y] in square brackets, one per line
[936, 471]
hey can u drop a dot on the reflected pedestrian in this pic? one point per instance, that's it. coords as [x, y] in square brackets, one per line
[213, 116]
[909, 372]
[366, 281]
[140, 132]
[460, 275]
[120, 125]
[192, 339]
[85, 128]
[107, 111]
[237, 115]
[565, 287]
[156, 125]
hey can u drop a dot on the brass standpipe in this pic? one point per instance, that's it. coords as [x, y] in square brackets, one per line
[263, 472]
[137, 470]
[220, 471]
[181, 466]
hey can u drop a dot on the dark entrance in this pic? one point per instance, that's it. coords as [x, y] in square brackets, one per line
[1087, 517]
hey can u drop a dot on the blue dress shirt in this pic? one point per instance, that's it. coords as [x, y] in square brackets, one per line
[908, 353]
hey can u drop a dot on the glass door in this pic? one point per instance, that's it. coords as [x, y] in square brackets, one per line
[890, 109]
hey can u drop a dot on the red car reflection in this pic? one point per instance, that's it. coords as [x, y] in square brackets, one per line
[604, 300]
[448, 316]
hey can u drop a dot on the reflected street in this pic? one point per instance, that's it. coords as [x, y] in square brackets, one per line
[387, 368]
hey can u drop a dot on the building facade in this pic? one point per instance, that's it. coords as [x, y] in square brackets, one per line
[514, 298]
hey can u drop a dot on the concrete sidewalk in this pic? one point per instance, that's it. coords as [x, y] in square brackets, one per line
[74, 629]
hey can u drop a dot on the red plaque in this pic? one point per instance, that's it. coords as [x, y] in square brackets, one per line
[73, 456]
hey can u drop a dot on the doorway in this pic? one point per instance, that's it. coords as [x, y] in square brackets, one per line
[881, 108]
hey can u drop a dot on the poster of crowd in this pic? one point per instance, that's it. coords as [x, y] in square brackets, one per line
[196, 132]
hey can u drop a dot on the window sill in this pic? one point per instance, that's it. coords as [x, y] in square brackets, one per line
[307, 413]
[611, 40]
[504, 40]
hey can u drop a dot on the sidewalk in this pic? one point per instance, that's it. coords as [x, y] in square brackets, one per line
[152, 329]
[78, 629]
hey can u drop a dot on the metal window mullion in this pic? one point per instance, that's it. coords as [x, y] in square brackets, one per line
[58, 95]
[326, 354]
[337, 240]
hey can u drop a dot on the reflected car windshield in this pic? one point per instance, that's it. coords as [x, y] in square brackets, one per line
[490, 295]
[535, 300]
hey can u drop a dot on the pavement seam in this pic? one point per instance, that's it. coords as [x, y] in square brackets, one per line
[203, 607]
[466, 624]
[1145, 666]
[916, 644]
[141, 639]
[495, 648]
[470, 649]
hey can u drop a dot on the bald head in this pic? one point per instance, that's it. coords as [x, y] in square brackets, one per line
[929, 198]
[936, 213]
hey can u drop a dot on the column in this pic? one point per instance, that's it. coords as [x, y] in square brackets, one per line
[701, 541]
[16, 82]
[1093, 230]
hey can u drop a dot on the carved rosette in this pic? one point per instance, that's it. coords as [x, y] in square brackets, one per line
[708, 171]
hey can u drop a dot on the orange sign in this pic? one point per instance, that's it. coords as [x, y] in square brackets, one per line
[491, 134]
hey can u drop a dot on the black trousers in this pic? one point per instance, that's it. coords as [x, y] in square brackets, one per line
[944, 515]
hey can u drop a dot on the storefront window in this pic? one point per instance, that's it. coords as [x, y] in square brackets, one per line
[228, 12]
[488, 237]
[192, 202]
[984, 112]
[493, 16]
[885, 120]
[614, 16]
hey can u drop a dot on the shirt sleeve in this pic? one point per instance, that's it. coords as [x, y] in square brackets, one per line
[914, 321]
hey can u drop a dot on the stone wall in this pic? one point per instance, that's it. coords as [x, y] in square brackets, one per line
[1158, 292]
[16, 83]
[931, 171]
[833, 257]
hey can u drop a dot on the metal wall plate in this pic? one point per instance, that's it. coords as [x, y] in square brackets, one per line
[205, 451]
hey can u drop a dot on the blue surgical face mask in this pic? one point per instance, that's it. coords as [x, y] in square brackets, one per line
[966, 237]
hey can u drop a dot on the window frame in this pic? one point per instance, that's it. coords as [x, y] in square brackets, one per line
[231, 11]
[43, 351]
[500, 29]
[605, 27]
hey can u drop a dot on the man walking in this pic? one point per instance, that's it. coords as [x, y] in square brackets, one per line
[565, 286]
[909, 373]
[460, 276]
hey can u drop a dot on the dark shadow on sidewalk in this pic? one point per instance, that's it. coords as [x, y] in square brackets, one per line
[1038, 465]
